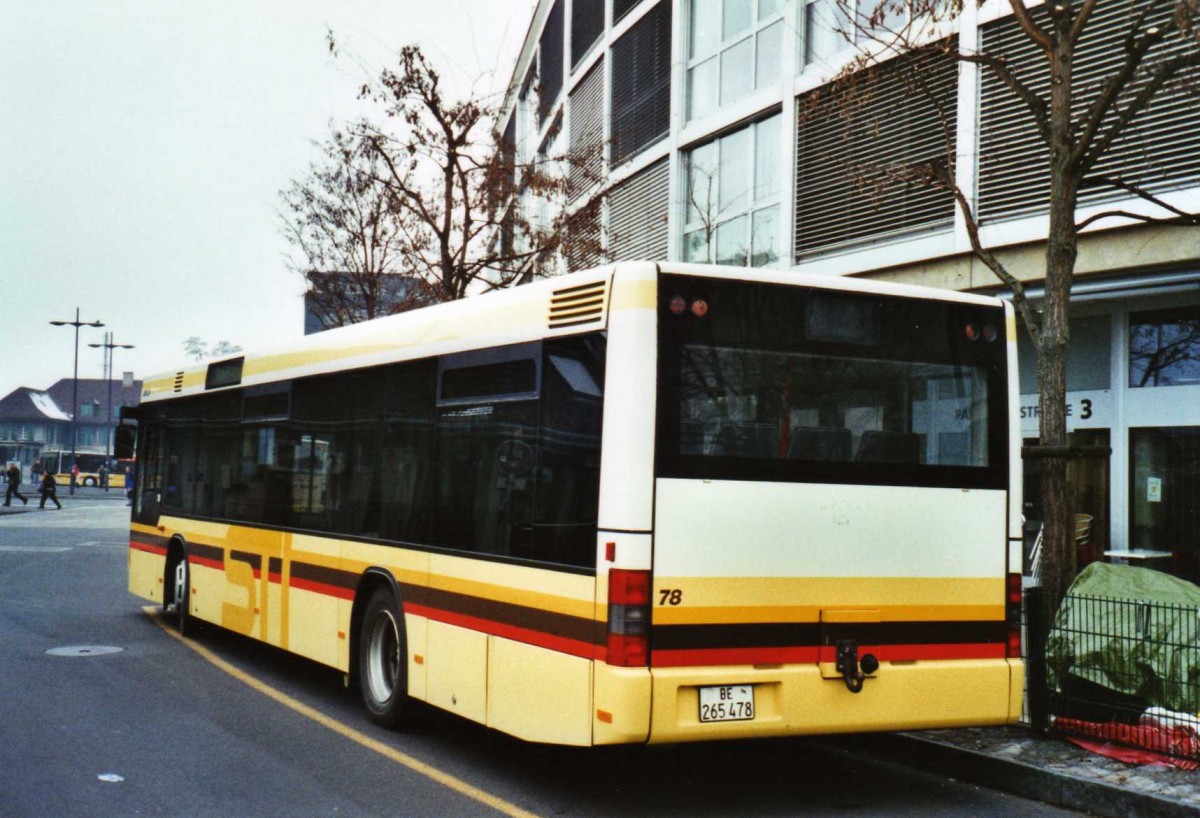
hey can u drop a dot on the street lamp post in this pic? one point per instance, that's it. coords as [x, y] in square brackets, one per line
[108, 346]
[75, 381]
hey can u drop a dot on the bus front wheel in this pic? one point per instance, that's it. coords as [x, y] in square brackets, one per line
[183, 579]
[383, 660]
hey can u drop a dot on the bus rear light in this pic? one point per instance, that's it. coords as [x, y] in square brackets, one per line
[1013, 616]
[628, 640]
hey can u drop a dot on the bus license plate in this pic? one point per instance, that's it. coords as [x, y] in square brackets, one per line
[727, 703]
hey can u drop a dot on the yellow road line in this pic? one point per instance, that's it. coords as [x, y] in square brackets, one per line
[429, 771]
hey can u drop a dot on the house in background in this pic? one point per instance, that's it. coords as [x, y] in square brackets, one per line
[718, 135]
[33, 421]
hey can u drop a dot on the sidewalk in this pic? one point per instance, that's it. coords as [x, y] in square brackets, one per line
[1043, 768]
[82, 493]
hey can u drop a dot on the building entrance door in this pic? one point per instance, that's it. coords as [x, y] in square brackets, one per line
[1089, 478]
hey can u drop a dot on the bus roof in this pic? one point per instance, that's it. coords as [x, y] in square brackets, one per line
[563, 305]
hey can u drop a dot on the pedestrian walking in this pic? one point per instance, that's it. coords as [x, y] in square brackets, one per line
[49, 490]
[103, 474]
[130, 480]
[35, 473]
[75, 475]
[13, 476]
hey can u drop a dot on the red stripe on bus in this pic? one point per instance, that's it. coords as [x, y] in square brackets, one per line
[218, 565]
[908, 653]
[572, 647]
[148, 548]
[321, 588]
[734, 656]
[272, 576]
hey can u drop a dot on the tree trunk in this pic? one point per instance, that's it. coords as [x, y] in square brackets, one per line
[1058, 541]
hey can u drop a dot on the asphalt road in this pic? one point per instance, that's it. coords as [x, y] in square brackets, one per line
[223, 726]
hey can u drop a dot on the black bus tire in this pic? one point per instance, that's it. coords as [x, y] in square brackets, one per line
[186, 623]
[383, 661]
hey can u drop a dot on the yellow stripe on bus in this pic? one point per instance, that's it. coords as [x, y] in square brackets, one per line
[800, 599]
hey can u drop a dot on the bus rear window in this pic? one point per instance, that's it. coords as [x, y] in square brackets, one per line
[765, 382]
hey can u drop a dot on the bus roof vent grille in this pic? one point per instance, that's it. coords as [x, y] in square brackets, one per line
[579, 305]
[178, 382]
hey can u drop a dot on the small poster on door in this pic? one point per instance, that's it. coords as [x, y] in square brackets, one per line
[1154, 489]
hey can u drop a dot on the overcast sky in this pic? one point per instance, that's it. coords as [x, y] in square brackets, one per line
[142, 147]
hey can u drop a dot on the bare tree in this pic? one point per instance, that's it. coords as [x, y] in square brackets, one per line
[350, 246]
[1077, 124]
[461, 196]
[200, 349]
[196, 347]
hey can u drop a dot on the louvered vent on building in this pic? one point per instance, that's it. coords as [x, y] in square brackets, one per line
[587, 24]
[587, 131]
[641, 84]
[582, 244]
[178, 382]
[1160, 149]
[579, 305]
[637, 215]
[863, 146]
[623, 7]
[550, 61]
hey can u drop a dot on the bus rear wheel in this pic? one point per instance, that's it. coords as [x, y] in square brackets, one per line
[383, 661]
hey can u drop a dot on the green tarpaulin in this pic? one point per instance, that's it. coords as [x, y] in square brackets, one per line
[1132, 630]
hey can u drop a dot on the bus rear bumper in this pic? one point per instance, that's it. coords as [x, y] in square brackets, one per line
[797, 700]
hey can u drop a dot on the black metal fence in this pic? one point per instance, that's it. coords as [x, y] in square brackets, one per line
[1125, 671]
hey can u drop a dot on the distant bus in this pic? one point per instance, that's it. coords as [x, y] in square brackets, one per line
[58, 463]
[645, 503]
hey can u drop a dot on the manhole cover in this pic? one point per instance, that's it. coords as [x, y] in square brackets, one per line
[84, 650]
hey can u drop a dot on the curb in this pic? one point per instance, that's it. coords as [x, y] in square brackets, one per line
[1016, 777]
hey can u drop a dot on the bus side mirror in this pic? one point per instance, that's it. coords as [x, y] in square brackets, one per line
[124, 441]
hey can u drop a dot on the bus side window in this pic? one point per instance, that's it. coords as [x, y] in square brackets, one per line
[568, 473]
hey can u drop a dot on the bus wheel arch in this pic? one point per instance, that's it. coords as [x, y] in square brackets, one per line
[379, 649]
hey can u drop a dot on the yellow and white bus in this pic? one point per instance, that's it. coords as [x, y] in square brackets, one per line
[643, 503]
[58, 463]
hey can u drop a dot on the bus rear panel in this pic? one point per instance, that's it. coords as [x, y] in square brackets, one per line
[831, 513]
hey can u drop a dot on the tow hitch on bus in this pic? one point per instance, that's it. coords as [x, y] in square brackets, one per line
[853, 671]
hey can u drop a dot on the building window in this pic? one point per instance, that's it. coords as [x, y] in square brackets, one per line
[829, 28]
[1089, 356]
[587, 24]
[640, 96]
[1164, 348]
[87, 410]
[623, 7]
[1165, 484]
[550, 62]
[826, 28]
[733, 198]
[733, 48]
